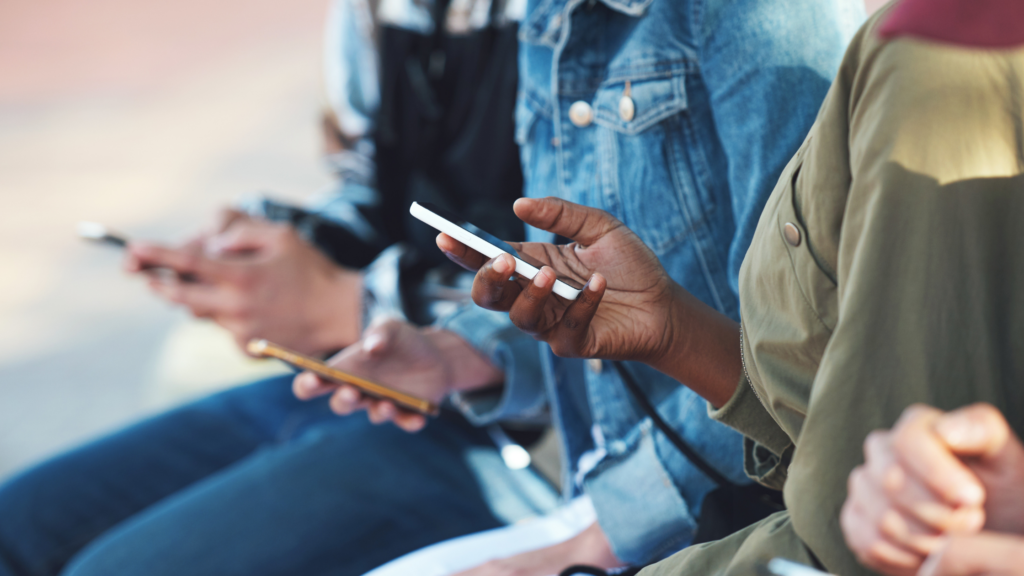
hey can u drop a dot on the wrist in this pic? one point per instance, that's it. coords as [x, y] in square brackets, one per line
[701, 348]
[468, 368]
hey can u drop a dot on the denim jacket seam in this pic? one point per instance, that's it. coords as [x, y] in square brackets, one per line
[698, 244]
[701, 174]
[535, 103]
[643, 70]
[697, 29]
[651, 118]
[529, 34]
[556, 68]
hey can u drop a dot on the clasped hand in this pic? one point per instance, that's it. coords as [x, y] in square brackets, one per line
[258, 279]
[930, 486]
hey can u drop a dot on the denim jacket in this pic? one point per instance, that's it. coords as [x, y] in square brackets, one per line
[677, 117]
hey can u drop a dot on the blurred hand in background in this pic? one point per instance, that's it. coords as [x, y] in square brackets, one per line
[426, 362]
[936, 475]
[258, 279]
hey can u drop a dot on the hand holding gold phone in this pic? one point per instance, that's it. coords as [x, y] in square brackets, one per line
[401, 399]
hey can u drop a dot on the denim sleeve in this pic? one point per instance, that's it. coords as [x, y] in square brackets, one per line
[523, 396]
[352, 94]
[646, 493]
[767, 65]
[351, 69]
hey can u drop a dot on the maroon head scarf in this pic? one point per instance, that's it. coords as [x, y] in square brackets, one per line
[979, 23]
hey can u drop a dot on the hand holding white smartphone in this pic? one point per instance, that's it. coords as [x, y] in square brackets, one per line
[487, 244]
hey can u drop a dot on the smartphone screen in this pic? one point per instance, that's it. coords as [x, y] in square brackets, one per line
[494, 240]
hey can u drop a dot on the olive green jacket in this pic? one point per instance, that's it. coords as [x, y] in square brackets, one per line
[887, 269]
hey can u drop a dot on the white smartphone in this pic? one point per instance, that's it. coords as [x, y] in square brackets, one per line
[488, 245]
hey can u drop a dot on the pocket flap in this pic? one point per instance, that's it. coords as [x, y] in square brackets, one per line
[654, 99]
[528, 108]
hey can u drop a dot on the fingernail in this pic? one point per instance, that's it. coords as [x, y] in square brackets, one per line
[971, 494]
[543, 278]
[308, 383]
[933, 513]
[349, 395]
[894, 524]
[501, 266]
[590, 284]
[372, 342]
[960, 431]
[214, 246]
[967, 519]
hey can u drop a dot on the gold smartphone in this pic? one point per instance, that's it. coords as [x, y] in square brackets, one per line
[259, 347]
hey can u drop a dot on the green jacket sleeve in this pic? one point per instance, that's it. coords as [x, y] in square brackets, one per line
[767, 449]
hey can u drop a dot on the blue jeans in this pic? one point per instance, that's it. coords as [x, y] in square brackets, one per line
[251, 481]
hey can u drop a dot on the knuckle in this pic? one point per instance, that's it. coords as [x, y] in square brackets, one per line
[483, 295]
[893, 481]
[873, 554]
[524, 320]
[190, 260]
[855, 481]
[914, 413]
[848, 522]
[532, 295]
[565, 349]
[987, 415]
[875, 442]
[904, 440]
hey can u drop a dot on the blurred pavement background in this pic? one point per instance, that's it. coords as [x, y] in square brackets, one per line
[147, 117]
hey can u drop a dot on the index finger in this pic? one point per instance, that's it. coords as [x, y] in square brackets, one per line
[460, 253]
[227, 218]
[182, 261]
[921, 450]
[308, 385]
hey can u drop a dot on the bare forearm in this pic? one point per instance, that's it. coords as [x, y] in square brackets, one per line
[703, 349]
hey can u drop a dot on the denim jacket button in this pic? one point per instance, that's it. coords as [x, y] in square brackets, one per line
[626, 108]
[595, 365]
[581, 114]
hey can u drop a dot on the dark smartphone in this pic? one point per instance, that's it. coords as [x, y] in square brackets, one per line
[96, 232]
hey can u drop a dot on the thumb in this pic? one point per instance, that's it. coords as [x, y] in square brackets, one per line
[977, 430]
[239, 239]
[229, 217]
[379, 338]
[581, 224]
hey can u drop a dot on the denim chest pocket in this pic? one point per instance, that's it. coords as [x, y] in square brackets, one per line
[642, 158]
